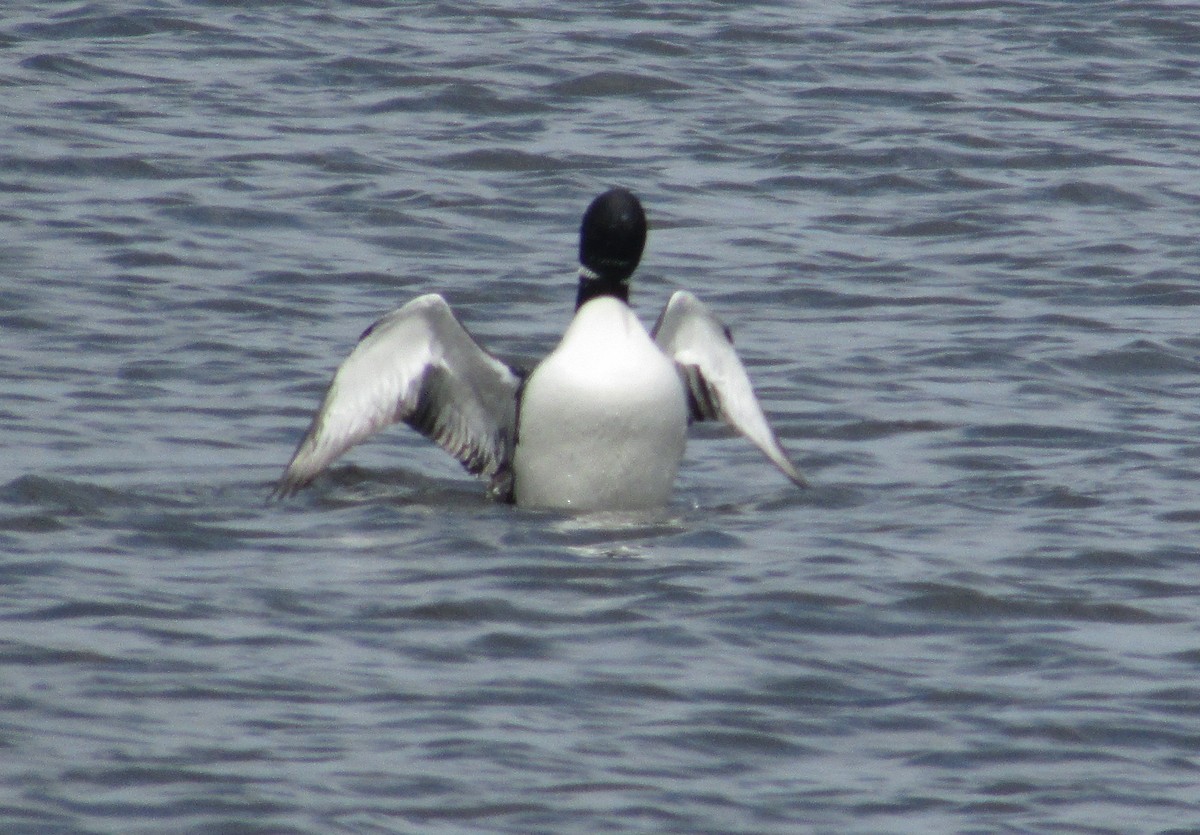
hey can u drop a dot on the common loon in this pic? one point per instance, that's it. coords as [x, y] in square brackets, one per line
[599, 424]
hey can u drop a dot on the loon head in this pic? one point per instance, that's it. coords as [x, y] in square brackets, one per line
[611, 238]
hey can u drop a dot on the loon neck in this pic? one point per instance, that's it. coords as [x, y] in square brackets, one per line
[593, 285]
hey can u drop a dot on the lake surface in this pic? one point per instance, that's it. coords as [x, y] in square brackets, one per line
[957, 243]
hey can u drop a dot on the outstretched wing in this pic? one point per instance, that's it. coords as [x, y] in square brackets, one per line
[718, 388]
[418, 365]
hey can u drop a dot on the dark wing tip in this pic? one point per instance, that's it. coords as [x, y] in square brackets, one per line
[288, 486]
[797, 479]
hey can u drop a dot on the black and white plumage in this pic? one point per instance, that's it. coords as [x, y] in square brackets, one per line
[417, 365]
[600, 424]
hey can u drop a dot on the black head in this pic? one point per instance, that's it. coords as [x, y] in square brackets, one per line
[611, 239]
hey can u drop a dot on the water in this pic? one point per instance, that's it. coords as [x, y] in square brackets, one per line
[957, 244]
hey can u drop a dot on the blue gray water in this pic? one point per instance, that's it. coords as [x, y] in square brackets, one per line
[957, 243]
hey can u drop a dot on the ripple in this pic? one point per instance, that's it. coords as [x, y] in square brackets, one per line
[1142, 357]
[962, 602]
[1084, 193]
[614, 83]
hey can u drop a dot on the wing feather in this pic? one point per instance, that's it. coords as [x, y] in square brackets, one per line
[718, 386]
[417, 365]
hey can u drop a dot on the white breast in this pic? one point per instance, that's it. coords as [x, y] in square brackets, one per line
[603, 419]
